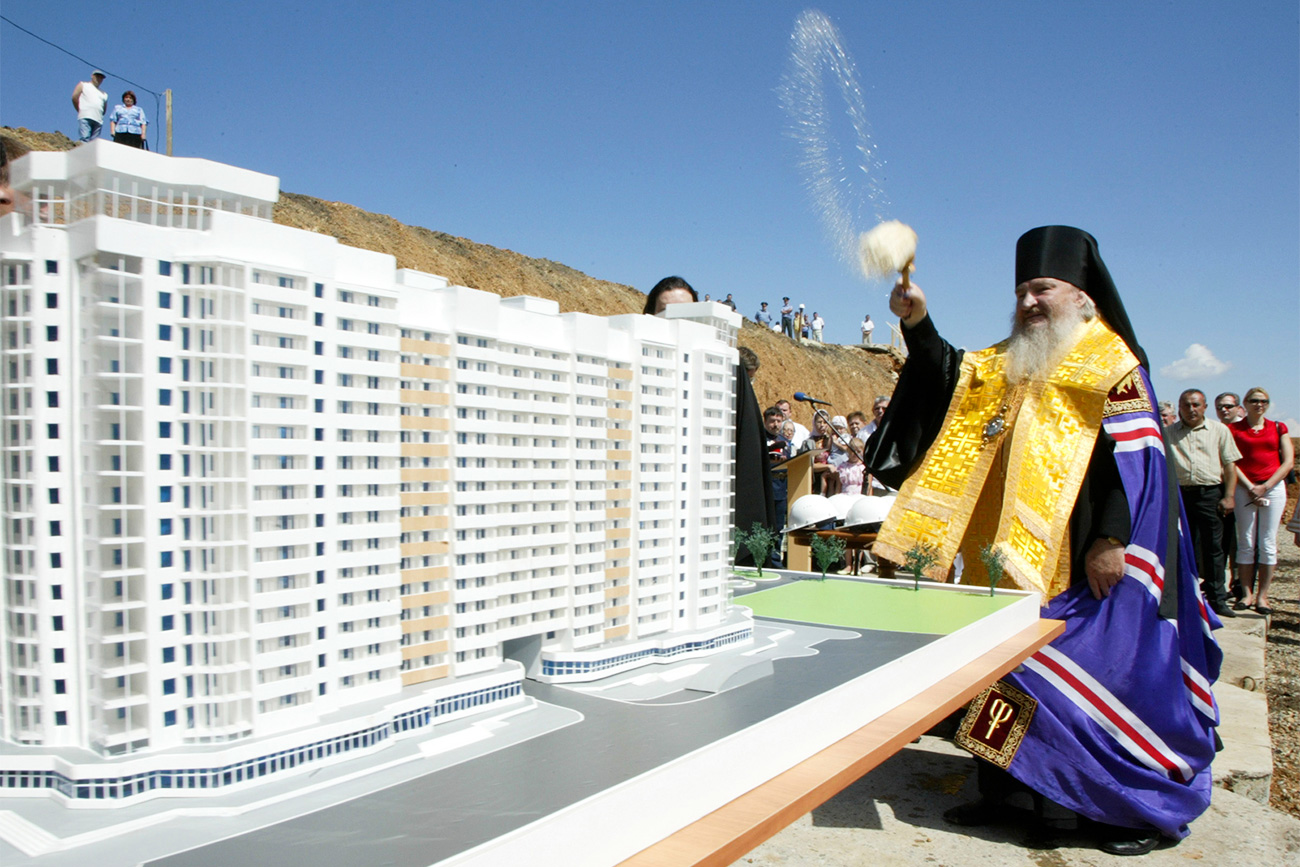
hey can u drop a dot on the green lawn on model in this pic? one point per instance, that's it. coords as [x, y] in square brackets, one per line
[892, 607]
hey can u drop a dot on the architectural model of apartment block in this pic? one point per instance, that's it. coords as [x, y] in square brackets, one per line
[270, 500]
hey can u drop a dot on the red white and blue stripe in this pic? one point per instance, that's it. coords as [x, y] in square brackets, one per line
[1126, 738]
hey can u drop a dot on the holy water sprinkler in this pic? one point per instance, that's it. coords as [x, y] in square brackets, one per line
[888, 248]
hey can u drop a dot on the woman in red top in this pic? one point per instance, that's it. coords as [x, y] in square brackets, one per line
[1266, 458]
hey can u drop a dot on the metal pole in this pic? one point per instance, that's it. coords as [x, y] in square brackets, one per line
[169, 121]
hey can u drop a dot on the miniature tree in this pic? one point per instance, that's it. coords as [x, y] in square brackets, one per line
[760, 540]
[920, 557]
[995, 564]
[827, 550]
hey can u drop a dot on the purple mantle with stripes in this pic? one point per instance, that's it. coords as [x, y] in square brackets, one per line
[1123, 733]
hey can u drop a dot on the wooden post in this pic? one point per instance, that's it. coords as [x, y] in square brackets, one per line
[169, 121]
[799, 474]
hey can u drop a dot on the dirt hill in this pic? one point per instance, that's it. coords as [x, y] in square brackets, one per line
[848, 376]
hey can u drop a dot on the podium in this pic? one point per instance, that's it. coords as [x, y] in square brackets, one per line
[799, 472]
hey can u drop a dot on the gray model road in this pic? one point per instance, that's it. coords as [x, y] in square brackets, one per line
[423, 821]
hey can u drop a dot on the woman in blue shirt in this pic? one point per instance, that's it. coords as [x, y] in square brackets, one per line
[127, 123]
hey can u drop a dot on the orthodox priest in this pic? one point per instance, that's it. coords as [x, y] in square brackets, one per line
[1043, 456]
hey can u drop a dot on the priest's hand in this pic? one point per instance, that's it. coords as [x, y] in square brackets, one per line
[907, 303]
[1104, 566]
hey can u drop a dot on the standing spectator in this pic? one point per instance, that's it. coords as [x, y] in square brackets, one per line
[729, 302]
[90, 103]
[853, 472]
[1204, 457]
[763, 317]
[838, 458]
[874, 486]
[839, 437]
[817, 325]
[820, 445]
[800, 432]
[1168, 415]
[867, 327]
[801, 325]
[1228, 407]
[1266, 457]
[878, 407]
[787, 318]
[127, 124]
[778, 450]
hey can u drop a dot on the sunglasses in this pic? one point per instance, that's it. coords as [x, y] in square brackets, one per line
[1257, 400]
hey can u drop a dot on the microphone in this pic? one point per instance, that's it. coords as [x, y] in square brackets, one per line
[799, 395]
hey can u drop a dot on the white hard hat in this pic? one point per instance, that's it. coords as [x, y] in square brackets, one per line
[842, 503]
[869, 510]
[809, 511]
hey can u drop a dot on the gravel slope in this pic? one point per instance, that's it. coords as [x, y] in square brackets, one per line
[1283, 660]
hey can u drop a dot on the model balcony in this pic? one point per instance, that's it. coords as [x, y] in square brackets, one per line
[586, 619]
[650, 609]
[277, 684]
[230, 658]
[111, 697]
[360, 665]
[298, 541]
[134, 658]
[116, 735]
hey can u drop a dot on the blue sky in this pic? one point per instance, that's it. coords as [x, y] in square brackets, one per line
[633, 140]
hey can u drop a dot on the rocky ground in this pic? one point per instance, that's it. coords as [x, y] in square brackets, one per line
[1283, 660]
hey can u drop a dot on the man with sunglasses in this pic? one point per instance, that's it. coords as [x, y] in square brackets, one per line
[1229, 409]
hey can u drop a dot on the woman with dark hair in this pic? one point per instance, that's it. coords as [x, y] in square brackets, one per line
[127, 123]
[6, 194]
[1266, 458]
[825, 481]
[670, 290]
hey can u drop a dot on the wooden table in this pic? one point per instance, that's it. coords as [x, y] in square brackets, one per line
[726, 834]
[855, 544]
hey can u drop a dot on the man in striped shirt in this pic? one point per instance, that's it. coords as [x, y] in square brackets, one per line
[1204, 457]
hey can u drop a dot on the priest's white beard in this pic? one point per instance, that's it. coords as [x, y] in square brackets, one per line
[1033, 353]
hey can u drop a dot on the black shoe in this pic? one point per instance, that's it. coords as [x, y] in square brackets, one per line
[975, 813]
[1223, 609]
[1131, 845]
[1044, 838]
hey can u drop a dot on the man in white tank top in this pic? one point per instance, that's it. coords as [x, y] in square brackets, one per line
[90, 102]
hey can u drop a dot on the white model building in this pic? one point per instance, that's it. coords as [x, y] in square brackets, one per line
[269, 500]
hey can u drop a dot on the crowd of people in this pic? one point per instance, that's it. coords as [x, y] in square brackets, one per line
[127, 123]
[1046, 457]
[795, 323]
[1232, 473]
[836, 443]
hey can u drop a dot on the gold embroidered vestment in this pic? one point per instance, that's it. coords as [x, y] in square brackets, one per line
[1007, 466]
